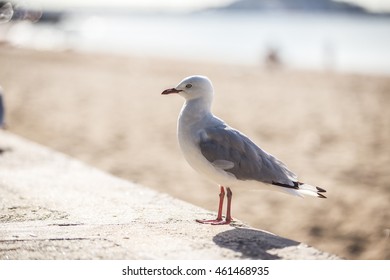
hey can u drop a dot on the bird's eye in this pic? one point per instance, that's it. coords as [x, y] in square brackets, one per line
[188, 86]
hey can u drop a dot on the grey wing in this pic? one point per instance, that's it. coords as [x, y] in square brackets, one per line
[232, 151]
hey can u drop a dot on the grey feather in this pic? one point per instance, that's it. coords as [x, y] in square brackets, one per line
[222, 144]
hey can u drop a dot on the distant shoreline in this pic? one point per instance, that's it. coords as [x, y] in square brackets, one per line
[341, 44]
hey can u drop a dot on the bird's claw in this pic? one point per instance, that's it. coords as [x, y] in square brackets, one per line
[216, 222]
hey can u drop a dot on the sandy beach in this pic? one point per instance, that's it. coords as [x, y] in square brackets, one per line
[332, 129]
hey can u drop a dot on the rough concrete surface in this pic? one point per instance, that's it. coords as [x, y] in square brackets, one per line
[54, 207]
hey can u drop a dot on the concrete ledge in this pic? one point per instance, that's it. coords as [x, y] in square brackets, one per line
[55, 207]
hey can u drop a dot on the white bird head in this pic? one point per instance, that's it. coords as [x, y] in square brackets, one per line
[193, 87]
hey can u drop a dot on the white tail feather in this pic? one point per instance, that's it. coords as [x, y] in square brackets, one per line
[310, 190]
[303, 190]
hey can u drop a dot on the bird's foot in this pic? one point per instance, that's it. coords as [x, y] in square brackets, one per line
[216, 222]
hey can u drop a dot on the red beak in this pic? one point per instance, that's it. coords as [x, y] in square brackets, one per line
[171, 90]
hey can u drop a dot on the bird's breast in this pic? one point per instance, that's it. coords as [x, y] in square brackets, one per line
[188, 137]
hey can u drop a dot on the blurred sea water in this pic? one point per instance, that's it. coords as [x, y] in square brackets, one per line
[344, 43]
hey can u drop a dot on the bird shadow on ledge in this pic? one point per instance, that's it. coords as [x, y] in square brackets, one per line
[252, 243]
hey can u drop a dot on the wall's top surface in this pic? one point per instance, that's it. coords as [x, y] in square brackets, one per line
[54, 207]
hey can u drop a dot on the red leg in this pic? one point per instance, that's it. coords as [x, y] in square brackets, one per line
[228, 218]
[229, 206]
[219, 217]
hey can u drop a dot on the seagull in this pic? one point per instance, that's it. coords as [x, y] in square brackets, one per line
[225, 155]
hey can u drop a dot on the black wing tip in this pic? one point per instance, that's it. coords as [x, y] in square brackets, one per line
[296, 186]
[321, 195]
[320, 190]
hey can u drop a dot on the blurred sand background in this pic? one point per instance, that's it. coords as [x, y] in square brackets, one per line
[333, 130]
